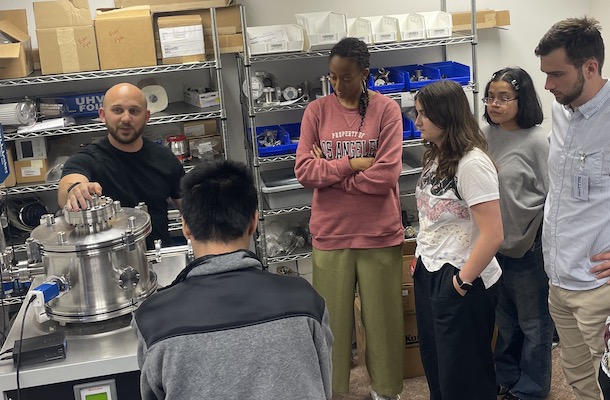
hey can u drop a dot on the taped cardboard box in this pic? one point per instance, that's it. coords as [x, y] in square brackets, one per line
[227, 43]
[206, 127]
[11, 179]
[67, 49]
[181, 38]
[125, 37]
[169, 6]
[63, 13]
[15, 58]
[18, 17]
[462, 21]
[31, 170]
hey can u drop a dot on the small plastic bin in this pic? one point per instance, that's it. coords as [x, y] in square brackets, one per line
[395, 76]
[411, 26]
[385, 29]
[407, 128]
[409, 74]
[322, 29]
[281, 189]
[360, 29]
[275, 38]
[452, 70]
[438, 24]
[294, 132]
[281, 134]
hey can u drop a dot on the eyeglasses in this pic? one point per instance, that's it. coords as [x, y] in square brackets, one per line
[501, 101]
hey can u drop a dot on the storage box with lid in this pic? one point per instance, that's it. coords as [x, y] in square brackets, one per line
[281, 189]
[322, 29]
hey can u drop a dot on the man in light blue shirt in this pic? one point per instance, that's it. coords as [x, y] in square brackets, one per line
[576, 230]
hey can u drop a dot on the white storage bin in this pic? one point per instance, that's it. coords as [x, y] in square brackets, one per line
[385, 29]
[360, 29]
[275, 38]
[322, 29]
[281, 189]
[411, 26]
[438, 24]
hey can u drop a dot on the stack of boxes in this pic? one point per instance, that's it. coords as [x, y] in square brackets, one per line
[412, 365]
[66, 38]
[202, 136]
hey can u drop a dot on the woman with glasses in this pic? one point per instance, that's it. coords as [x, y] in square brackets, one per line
[520, 148]
[460, 232]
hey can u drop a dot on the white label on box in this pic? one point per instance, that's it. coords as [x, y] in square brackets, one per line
[278, 46]
[388, 36]
[329, 37]
[30, 171]
[181, 41]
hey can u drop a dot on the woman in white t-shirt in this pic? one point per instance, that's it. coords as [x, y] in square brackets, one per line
[460, 233]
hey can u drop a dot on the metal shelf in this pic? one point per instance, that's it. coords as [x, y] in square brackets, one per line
[288, 258]
[295, 106]
[457, 39]
[175, 112]
[412, 171]
[80, 76]
[24, 189]
[284, 211]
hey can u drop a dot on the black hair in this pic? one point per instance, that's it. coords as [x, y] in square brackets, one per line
[356, 50]
[218, 200]
[580, 37]
[529, 111]
[445, 104]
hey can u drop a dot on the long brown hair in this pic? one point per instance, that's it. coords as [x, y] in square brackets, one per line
[447, 107]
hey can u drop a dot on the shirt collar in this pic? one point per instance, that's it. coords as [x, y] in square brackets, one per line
[597, 102]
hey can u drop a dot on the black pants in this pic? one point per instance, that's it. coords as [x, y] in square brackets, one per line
[455, 335]
[604, 383]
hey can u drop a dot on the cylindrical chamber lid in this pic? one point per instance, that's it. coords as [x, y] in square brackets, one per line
[73, 240]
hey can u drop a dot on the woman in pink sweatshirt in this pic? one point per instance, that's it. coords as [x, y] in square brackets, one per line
[350, 153]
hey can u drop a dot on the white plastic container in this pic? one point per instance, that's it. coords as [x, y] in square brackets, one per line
[438, 24]
[412, 26]
[275, 38]
[360, 28]
[322, 29]
[281, 189]
[385, 29]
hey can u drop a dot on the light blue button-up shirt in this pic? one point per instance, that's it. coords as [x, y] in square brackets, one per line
[576, 229]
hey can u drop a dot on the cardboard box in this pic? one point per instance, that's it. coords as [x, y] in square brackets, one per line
[15, 58]
[214, 141]
[227, 43]
[125, 38]
[412, 365]
[462, 21]
[67, 49]
[31, 170]
[31, 148]
[228, 20]
[169, 6]
[206, 127]
[11, 179]
[63, 13]
[201, 98]
[408, 299]
[181, 38]
[408, 251]
[18, 17]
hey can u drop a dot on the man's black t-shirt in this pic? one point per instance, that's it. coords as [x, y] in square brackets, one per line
[151, 175]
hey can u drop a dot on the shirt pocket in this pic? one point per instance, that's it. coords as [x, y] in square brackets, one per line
[594, 165]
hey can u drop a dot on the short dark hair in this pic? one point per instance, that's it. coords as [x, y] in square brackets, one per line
[529, 111]
[218, 200]
[580, 37]
[445, 104]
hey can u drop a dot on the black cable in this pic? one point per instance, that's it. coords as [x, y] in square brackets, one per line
[21, 343]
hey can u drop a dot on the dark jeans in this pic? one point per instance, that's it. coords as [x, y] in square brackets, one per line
[455, 335]
[525, 329]
[604, 383]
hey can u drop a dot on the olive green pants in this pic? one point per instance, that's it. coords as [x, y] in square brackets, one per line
[378, 273]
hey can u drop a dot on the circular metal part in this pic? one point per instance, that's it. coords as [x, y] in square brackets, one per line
[290, 93]
[95, 218]
[26, 112]
[256, 87]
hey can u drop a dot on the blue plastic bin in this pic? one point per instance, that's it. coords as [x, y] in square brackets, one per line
[407, 128]
[433, 74]
[282, 135]
[294, 132]
[452, 70]
[395, 76]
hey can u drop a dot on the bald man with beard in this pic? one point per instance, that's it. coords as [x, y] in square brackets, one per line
[124, 166]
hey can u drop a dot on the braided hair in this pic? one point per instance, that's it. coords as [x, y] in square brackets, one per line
[358, 52]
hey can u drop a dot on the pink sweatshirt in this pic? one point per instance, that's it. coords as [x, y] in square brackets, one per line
[352, 210]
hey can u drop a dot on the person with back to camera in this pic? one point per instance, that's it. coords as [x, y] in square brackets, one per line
[576, 229]
[350, 153]
[460, 232]
[226, 329]
[125, 166]
[520, 148]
